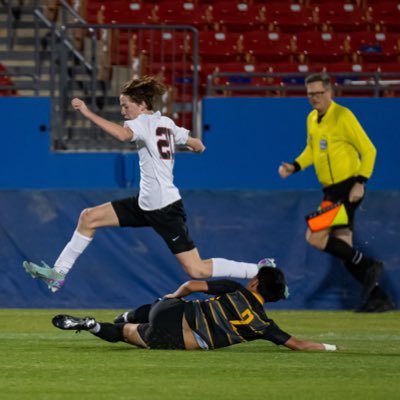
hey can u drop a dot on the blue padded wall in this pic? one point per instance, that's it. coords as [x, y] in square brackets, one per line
[125, 267]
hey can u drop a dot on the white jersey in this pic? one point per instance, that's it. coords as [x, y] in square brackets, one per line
[155, 137]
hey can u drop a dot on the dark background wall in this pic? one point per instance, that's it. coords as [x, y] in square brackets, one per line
[238, 207]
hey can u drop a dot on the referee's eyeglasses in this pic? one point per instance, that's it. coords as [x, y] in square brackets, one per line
[316, 94]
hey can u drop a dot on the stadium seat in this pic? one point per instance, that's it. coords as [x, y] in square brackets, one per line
[185, 13]
[313, 3]
[292, 76]
[164, 45]
[262, 46]
[183, 118]
[237, 16]
[375, 46]
[5, 80]
[317, 47]
[89, 10]
[220, 46]
[386, 14]
[383, 67]
[288, 18]
[341, 17]
[349, 78]
[125, 12]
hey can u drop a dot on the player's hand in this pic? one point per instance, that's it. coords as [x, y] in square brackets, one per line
[195, 145]
[285, 170]
[357, 192]
[79, 105]
[171, 296]
[199, 150]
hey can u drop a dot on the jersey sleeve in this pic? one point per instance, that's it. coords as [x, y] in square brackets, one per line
[305, 159]
[275, 334]
[359, 139]
[180, 134]
[136, 127]
[222, 286]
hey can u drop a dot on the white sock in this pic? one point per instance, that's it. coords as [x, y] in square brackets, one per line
[74, 248]
[234, 269]
[96, 328]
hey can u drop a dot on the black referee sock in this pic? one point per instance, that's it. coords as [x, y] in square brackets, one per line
[111, 332]
[345, 252]
[357, 272]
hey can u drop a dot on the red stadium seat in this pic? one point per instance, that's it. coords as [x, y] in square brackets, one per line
[243, 70]
[164, 45]
[322, 46]
[288, 18]
[220, 47]
[237, 16]
[268, 46]
[386, 14]
[293, 67]
[375, 46]
[185, 13]
[90, 9]
[183, 119]
[341, 17]
[313, 3]
[5, 80]
[124, 12]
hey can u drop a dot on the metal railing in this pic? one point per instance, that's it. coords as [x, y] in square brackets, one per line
[373, 84]
[65, 60]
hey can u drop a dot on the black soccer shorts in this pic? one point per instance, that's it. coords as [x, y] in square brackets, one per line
[164, 329]
[169, 222]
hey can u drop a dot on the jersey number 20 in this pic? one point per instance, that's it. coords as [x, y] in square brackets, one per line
[165, 143]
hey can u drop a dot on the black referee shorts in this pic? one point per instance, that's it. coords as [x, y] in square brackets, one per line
[340, 192]
[169, 222]
[164, 329]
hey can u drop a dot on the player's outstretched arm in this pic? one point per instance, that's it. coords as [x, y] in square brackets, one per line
[304, 345]
[195, 145]
[187, 288]
[119, 132]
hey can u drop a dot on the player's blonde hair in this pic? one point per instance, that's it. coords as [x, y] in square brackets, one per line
[144, 89]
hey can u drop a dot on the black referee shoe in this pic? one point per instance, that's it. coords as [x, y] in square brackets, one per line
[371, 279]
[377, 306]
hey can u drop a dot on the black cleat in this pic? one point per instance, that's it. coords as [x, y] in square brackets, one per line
[377, 306]
[372, 276]
[72, 323]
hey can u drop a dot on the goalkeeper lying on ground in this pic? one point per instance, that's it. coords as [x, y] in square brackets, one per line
[236, 314]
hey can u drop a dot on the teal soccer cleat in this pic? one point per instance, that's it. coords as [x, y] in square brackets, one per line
[53, 279]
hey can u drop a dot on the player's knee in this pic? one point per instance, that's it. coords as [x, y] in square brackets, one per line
[317, 240]
[87, 218]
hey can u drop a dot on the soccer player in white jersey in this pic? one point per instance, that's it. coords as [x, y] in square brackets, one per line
[159, 203]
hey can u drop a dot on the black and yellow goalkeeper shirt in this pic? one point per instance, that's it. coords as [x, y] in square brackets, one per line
[338, 146]
[234, 315]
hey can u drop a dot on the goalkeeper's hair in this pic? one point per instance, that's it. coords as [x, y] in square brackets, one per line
[144, 89]
[271, 284]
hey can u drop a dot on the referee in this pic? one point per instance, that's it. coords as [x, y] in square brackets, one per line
[343, 157]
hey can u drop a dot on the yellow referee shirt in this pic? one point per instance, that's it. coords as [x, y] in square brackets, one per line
[338, 146]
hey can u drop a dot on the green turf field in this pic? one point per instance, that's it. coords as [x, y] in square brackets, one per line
[39, 361]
